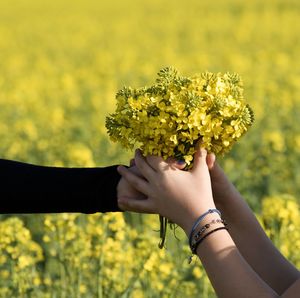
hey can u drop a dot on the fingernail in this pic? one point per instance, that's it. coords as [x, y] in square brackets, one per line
[203, 150]
[180, 162]
[119, 169]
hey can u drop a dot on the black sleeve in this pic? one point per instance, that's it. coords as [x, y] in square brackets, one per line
[26, 188]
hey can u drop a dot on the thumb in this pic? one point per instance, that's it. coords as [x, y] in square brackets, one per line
[199, 159]
[210, 160]
[135, 205]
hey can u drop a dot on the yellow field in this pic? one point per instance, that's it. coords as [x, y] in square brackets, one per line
[61, 64]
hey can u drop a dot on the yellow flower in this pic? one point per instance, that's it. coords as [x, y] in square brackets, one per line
[24, 261]
[197, 272]
[46, 238]
[170, 117]
[4, 274]
[82, 289]
[36, 281]
[81, 155]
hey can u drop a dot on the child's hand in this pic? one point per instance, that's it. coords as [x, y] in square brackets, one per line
[124, 189]
[223, 190]
[179, 195]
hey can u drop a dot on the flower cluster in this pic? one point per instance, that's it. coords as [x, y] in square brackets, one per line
[19, 256]
[84, 251]
[170, 117]
[280, 218]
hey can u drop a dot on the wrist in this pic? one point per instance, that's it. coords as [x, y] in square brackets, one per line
[223, 189]
[207, 224]
[190, 220]
[227, 202]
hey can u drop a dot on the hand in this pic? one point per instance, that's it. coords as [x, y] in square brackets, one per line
[223, 190]
[125, 190]
[179, 195]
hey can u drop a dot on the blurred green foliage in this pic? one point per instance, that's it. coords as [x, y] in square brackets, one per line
[61, 64]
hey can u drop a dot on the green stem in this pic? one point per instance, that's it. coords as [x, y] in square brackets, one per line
[163, 231]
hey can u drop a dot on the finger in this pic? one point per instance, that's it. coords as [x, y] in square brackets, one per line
[141, 206]
[210, 160]
[136, 171]
[132, 162]
[174, 163]
[145, 169]
[134, 180]
[199, 159]
[157, 163]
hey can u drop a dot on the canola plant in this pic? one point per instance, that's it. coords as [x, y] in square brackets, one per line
[61, 65]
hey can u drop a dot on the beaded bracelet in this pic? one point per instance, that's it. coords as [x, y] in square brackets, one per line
[196, 237]
[194, 251]
[199, 219]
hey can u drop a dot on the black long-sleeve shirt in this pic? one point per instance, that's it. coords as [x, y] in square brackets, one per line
[27, 188]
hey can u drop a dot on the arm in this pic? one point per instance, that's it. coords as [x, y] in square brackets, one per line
[181, 197]
[246, 232]
[228, 271]
[30, 188]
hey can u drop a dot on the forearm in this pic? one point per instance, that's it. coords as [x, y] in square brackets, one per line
[36, 189]
[253, 243]
[230, 275]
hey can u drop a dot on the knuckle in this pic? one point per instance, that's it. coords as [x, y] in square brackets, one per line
[136, 183]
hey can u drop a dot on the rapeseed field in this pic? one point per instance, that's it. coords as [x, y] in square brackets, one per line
[61, 63]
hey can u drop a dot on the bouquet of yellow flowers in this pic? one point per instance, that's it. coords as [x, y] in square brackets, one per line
[169, 118]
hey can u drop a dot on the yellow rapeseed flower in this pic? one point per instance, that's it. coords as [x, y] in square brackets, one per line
[170, 117]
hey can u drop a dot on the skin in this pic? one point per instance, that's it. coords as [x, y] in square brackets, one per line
[162, 193]
[182, 196]
[245, 230]
[127, 191]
